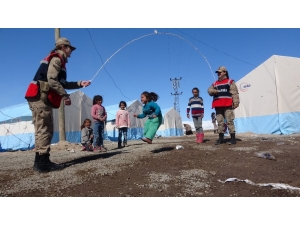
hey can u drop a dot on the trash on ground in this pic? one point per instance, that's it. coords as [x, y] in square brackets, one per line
[272, 185]
[72, 151]
[265, 155]
[178, 147]
[280, 143]
[264, 139]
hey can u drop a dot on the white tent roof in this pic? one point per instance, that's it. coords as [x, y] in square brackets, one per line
[15, 112]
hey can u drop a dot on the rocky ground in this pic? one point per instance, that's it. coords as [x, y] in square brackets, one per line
[161, 170]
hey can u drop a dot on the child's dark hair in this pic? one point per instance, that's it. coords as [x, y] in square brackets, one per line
[83, 126]
[195, 88]
[96, 98]
[122, 102]
[152, 96]
[212, 115]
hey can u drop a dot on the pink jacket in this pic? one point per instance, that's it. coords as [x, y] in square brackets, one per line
[122, 119]
[95, 113]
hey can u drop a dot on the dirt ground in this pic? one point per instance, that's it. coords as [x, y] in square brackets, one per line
[160, 170]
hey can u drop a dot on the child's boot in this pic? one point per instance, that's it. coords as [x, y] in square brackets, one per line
[197, 138]
[201, 138]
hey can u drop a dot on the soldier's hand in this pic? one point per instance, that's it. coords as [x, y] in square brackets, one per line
[85, 83]
[188, 115]
[234, 106]
[215, 91]
[67, 101]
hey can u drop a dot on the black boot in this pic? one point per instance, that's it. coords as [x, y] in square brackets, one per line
[119, 144]
[36, 161]
[124, 143]
[232, 141]
[220, 140]
[45, 165]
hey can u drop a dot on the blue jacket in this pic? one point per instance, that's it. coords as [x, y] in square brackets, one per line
[150, 109]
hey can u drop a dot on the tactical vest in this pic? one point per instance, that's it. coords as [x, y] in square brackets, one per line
[35, 88]
[223, 98]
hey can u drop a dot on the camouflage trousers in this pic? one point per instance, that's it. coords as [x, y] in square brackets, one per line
[227, 114]
[42, 119]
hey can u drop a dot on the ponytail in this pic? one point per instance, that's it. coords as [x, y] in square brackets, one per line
[154, 97]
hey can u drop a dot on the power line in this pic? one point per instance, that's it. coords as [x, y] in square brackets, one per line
[189, 58]
[104, 67]
[216, 49]
[179, 55]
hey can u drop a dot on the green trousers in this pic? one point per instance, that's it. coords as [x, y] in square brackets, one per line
[151, 126]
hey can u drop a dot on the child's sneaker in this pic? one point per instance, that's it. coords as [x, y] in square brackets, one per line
[97, 149]
[147, 140]
[103, 149]
[90, 148]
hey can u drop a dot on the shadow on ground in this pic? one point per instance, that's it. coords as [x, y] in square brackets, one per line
[164, 149]
[91, 157]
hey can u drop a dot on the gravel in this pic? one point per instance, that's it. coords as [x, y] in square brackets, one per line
[76, 161]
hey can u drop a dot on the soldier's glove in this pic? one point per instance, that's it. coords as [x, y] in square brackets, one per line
[215, 91]
[235, 105]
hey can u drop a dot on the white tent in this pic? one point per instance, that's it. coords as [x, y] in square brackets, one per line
[17, 130]
[269, 98]
[75, 114]
[136, 125]
[172, 124]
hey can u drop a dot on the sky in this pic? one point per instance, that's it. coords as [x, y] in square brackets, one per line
[237, 34]
[142, 60]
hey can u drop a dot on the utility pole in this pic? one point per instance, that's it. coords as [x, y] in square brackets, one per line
[61, 109]
[176, 85]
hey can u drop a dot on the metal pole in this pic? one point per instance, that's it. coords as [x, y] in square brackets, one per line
[61, 109]
[176, 95]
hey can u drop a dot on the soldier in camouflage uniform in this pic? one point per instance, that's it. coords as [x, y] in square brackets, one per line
[225, 100]
[45, 92]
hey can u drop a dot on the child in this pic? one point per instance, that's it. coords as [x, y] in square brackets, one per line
[98, 113]
[188, 129]
[122, 123]
[196, 107]
[87, 135]
[214, 122]
[152, 110]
